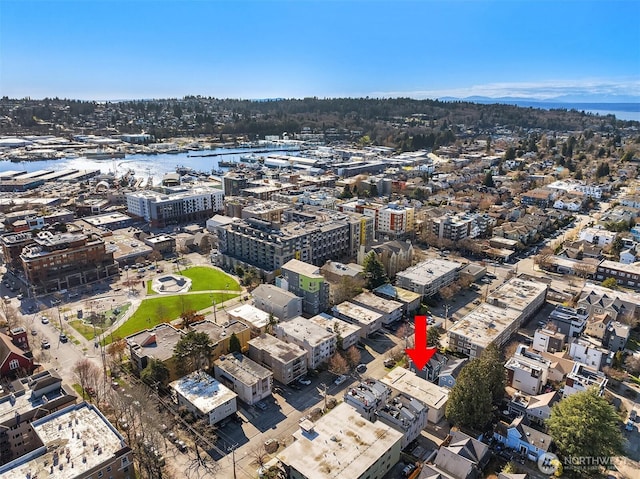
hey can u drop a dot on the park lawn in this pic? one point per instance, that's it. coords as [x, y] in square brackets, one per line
[207, 279]
[150, 291]
[164, 309]
[85, 329]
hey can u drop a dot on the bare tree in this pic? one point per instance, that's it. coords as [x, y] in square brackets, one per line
[352, 356]
[259, 454]
[632, 364]
[338, 364]
[87, 373]
[544, 259]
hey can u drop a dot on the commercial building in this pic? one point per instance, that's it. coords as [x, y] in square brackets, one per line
[319, 343]
[431, 395]
[287, 361]
[175, 205]
[109, 221]
[368, 320]
[161, 243]
[390, 310]
[74, 442]
[493, 322]
[350, 333]
[250, 381]
[277, 301]
[204, 397]
[342, 444]
[428, 277]
[52, 261]
[304, 280]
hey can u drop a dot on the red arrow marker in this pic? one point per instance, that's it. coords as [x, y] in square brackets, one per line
[420, 354]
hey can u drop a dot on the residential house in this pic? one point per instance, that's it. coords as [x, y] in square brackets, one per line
[589, 352]
[597, 236]
[583, 377]
[569, 321]
[527, 371]
[522, 438]
[14, 361]
[534, 408]
[367, 397]
[461, 457]
[410, 301]
[432, 369]
[449, 373]
[548, 340]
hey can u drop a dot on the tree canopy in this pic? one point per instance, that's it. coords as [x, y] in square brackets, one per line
[585, 425]
[470, 399]
[192, 352]
[155, 372]
[374, 271]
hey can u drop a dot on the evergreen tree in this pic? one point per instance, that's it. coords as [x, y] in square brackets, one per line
[470, 399]
[488, 180]
[155, 372]
[493, 368]
[192, 352]
[374, 271]
[234, 344]
[586, 425]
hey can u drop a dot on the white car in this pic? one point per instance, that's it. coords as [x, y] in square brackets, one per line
[44, 320]
[340, 379]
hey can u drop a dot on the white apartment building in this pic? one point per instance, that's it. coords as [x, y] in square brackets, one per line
[204, 396]
[175, 204]
[250, 381]
[396, 220]
[428, 277]
[319, 343]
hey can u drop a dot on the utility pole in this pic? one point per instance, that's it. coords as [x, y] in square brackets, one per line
[233, 458]
[446, 315]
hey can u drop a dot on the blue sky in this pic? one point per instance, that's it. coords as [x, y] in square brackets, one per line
[112, 49]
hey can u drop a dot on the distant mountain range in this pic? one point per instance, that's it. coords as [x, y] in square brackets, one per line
[618, 103]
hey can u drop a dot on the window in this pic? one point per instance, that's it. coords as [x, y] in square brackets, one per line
[14, 364]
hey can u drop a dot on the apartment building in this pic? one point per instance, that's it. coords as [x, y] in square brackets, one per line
[569, 321]
[287, 361]
[342, 444]
[350, 333]
[428, 277]
[624, 274]
[174, 205]
[319, 343]
[396, 221]
[204, 397]
[367, 397]
[304, 280]
[583, 377]
[277, 301]
[549, 341]
[368, 320]
[406, 415]
[494, 322]
[250, 381]
[390, 310]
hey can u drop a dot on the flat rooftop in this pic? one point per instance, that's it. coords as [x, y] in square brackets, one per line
[485, 323]
[407, 382]
[302, 268]
[517, 293]
[203, 391]
[428, 271]
[341, 444]
[157, 343]
[106, 219]
[370, 300]
[305, 331]
[344, 328]
[217, 331]
[249, 314]
[81, 430]
[401, 294]
[358, 313]
[278, 349]
[242, 368]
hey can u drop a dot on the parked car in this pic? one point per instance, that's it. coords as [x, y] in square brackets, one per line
[361, 368]
[340, 379]
[304, 381]
[44, 320]
[629, 426]
[34, 332]
[633, 415]
[181, 445]
[261, 405]
[44, 344]
[63, 338]
[389, 363]
[408, 469]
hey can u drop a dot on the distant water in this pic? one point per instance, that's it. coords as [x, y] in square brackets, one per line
[142, 165]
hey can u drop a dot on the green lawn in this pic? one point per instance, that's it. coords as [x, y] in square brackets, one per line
[163, 309]
[85, 329]
[150, 291]
[205, 279]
